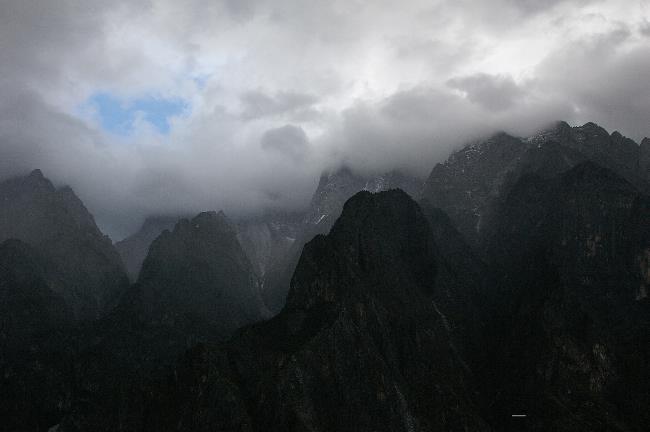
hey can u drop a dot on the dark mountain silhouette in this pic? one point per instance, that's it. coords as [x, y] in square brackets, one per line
[200, 269]
[90, 274]
[333, 190]
[35, 323]
[571, 318]
[274, 240]
[362, 344]
[473, 181]
[133, 249]
[196, 286]
[517, 284]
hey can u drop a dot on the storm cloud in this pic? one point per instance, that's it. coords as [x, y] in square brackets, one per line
[495, 92]
[274, 92]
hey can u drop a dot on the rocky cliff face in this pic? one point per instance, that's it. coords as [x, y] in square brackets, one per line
[466, 185]
[91, 277]
[470, 185]
[335, 188]
[133, 249]
[266, 239]
[326, 205]
[362, 344]
[571, 320]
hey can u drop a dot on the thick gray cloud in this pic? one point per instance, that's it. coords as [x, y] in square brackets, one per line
[287, 140]
[257, 104]
[493, 92]
[277, 91]
[602, 79]
[644, 28]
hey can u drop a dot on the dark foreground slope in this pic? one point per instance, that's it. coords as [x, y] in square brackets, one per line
[361, 345]
[89, 273]
[571, 329]
[35, 358]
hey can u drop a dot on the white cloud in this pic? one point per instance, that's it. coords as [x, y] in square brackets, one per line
[369, 83]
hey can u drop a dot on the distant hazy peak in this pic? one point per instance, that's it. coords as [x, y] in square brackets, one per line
[36, 174]
[34, 180]
[206, 222]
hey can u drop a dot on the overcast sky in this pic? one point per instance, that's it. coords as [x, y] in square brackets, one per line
[149, 107]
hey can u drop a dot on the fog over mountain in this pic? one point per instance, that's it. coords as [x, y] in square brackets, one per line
[168, 107]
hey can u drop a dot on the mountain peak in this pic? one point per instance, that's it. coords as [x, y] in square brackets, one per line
[590, 125]
[501, 135]
[57, 224]
[36, 180]
[134, 248]
[200, 269]
[36, 174]
[364, 293]
[390, 219]
[557, 131]
[361, 200]
[561, 125]
[591, 130]
[212, 220]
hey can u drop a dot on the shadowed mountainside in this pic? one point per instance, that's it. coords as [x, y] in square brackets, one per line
[361, 344]
[470, 185]
[570, 326]
[89, 273]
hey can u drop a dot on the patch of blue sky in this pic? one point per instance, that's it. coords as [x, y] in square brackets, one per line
[118, 116]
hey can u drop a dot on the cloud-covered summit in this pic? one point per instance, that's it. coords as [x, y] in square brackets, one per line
[273, 92]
